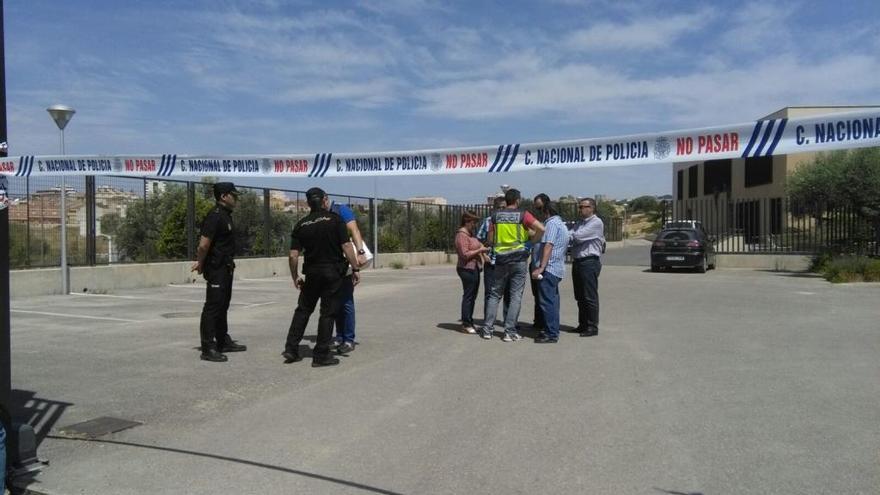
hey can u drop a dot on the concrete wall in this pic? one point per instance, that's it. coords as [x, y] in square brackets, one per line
[777, 262]
[104, 279]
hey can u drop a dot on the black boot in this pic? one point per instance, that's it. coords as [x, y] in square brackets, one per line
[324, 360]
[291, 357]
[230, 346]
[213, 355]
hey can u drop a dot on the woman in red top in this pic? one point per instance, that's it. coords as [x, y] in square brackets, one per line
[470, 260]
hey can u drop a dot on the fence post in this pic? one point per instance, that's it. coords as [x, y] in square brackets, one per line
[191, 221]
[267, 224]
[408, 227]
[91, 221]
[374, 229]
[27, 195]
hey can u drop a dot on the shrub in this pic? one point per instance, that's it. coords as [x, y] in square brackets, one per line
[397, 265]
[852, 269]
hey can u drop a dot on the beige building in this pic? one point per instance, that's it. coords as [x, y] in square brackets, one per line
[431, 200]
[746, 193]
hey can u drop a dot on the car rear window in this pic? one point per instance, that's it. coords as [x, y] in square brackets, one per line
[678, 235]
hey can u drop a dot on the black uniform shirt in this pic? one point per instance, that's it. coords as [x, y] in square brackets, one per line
[320, 235]
[218, 227]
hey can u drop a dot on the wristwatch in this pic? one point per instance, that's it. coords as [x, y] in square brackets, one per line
[355, 270]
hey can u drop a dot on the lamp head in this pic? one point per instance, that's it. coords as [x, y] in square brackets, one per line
[61, 114]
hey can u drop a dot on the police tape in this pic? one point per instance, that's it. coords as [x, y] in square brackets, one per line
[762, 138]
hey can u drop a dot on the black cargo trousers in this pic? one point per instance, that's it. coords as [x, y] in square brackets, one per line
[324, 282]
[213, 327]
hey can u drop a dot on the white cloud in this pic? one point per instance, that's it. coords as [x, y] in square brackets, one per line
[640, 34]
[759, 27]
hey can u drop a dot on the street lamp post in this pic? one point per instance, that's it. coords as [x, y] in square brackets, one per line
[62, 114]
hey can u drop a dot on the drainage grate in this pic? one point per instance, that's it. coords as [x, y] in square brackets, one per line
[95, 428]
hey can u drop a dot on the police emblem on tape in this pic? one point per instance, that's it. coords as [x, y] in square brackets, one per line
[436, 162]
[662, 148]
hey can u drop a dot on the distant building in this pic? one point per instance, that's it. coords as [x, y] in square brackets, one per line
[431, 200]
[277, 200]
[154, 187]
[44, 206]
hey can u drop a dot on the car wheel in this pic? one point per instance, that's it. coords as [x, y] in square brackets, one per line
[655, 268]
[703, 265]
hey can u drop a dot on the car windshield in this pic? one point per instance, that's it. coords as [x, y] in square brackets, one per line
[678, 235]
[677, 224]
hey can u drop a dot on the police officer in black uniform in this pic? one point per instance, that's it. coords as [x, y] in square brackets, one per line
[215, 261]
[328, 251]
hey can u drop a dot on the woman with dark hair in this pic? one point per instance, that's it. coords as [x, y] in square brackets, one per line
[470, 260]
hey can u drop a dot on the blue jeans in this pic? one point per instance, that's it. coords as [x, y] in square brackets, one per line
[2, 457]
[548, 288]
[507, 277]
[470, 284]
[345, 318]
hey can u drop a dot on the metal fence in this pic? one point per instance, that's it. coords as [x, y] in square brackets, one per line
[120, 219]
[778, 225]
[136, 220]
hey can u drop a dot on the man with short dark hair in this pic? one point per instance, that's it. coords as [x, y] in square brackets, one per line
[550, 270]
[489, 266]
[587, 245]
[323, 238]
[538, 323]
[508, 236]
[345, 320]
[215, 260]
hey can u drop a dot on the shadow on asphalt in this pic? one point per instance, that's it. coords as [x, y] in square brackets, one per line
[42, 414]
[673, 492]
[677, 271]
[282, 469]
[794, 274]
[525, 329]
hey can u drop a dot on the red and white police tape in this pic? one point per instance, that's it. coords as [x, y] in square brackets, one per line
[760, 138]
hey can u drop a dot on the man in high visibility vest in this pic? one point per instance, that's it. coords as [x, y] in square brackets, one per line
[508, 236]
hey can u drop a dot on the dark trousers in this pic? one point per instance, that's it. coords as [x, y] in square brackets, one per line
[323, 282]
[488, 276]
[213, 327]
[585, 275]
[538, 320]
[470, 284]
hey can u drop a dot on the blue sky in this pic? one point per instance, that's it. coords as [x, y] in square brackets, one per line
[276, 76]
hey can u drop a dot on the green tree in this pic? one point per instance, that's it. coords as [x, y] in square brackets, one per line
[849, 178]
[643, 204]
[172, 243]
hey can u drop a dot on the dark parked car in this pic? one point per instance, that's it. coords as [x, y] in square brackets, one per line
[685, 246]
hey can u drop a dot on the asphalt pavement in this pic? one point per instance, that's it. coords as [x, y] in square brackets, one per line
[733, 381]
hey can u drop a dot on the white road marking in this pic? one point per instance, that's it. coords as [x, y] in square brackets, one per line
[140, 298]
[65, 315]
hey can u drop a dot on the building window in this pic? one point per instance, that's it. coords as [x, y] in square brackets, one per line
[679, 191]
[759, 171]
[693, 186]
[716, 176]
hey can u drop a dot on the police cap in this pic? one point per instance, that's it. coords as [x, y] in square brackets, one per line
[222, 188]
